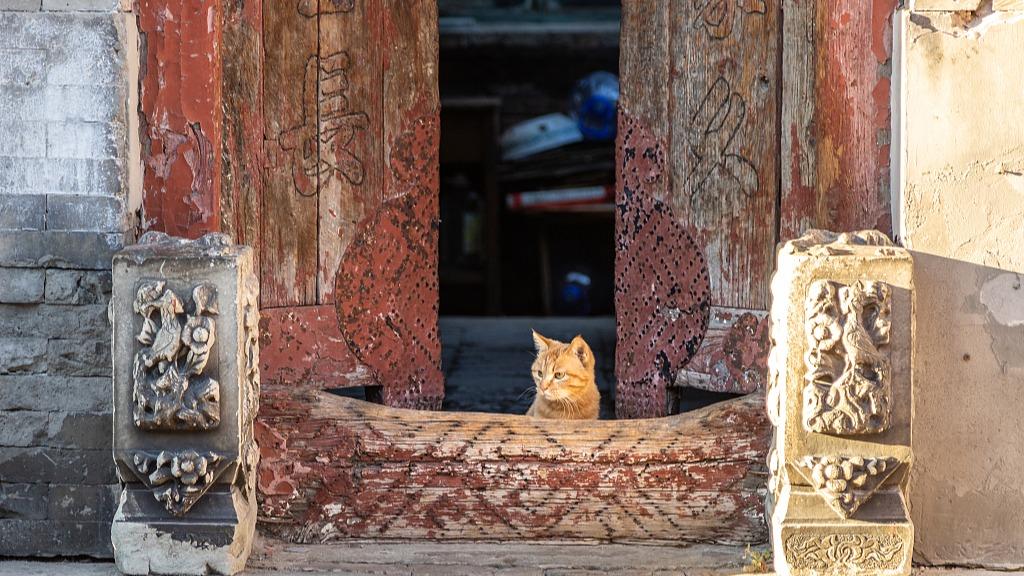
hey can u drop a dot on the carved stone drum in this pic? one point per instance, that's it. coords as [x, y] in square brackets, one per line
[185, 320]
[840, 400]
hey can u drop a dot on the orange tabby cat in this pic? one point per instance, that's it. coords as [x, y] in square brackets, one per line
[564, 374]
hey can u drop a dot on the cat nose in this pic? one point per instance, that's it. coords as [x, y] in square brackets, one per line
[544, 384]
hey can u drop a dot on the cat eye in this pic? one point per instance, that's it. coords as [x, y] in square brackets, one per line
[538, 373]
[559, 375]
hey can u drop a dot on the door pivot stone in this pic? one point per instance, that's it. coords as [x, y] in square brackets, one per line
[839, 397]
[185, 317]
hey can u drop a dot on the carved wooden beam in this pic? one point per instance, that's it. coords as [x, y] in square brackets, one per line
[337, 468]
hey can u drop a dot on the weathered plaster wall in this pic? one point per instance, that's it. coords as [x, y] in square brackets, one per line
[66, 168]
[962, 165]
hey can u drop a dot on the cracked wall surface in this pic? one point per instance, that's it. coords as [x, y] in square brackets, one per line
[962, 213]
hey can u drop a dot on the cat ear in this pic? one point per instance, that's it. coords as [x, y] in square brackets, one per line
[540, 342]
[582, 351]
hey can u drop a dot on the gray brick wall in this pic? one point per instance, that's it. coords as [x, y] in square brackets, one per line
[63, 106]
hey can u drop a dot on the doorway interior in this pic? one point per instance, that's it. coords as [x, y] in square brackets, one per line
[527, 176]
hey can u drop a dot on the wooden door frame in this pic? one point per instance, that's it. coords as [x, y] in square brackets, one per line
[338, 468]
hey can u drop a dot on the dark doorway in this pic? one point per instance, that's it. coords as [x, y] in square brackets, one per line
[526, 239]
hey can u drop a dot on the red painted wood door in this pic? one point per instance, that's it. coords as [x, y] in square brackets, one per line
[309, 131]
[704, 130]
[348, 230]
[697, 195]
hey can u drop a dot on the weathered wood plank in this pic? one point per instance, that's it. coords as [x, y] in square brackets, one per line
[351, 124]
[304, 344]
[661, 284]
[836, 116]
[181, 114]
[645, 68]
[368, 470]
[734, 355]
[386, 290]
[351, 200]
[698, 146]
[425, 557]
[411, 101]
[242, 178]
[291, 77]
[724, 137]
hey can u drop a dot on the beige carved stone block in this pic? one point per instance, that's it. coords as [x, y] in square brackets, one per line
[840, 400]
[186, 389]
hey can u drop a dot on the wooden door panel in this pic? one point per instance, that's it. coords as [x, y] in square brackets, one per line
[698, 151]
[386, 289]
[349, 228]
[351, 128]
[724, 139]
[288, 253]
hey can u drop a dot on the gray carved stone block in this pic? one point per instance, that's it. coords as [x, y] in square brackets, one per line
[186, 389]
[839, 397]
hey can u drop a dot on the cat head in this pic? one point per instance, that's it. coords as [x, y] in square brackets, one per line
[562, 371]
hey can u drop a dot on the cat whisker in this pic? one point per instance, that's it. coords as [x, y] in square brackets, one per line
[526, 391]
[569, 406]
[561, 402]
[576, 407]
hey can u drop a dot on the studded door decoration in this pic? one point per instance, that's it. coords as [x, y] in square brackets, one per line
[348, 249]
[697, 194]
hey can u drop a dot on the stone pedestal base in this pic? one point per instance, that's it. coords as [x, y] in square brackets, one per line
[215, 539]
[840, 398]
[810, 540]
[185, 318]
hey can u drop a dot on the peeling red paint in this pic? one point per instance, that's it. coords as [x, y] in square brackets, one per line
[386, 290]
[242, 179]
[799, 195]
[414, 161]
[662, 288]
[356, 470]
[304, 344]
[180, 93]
[846, 144]
[744, 352]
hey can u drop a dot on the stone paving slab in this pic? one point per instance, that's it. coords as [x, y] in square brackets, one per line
[388, 558]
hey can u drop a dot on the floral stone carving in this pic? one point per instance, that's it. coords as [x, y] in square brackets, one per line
[171, 392]
[185, 322]
[178, 479]
[846, 483]
[845, 553]
[848, 370]
[840, 400]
